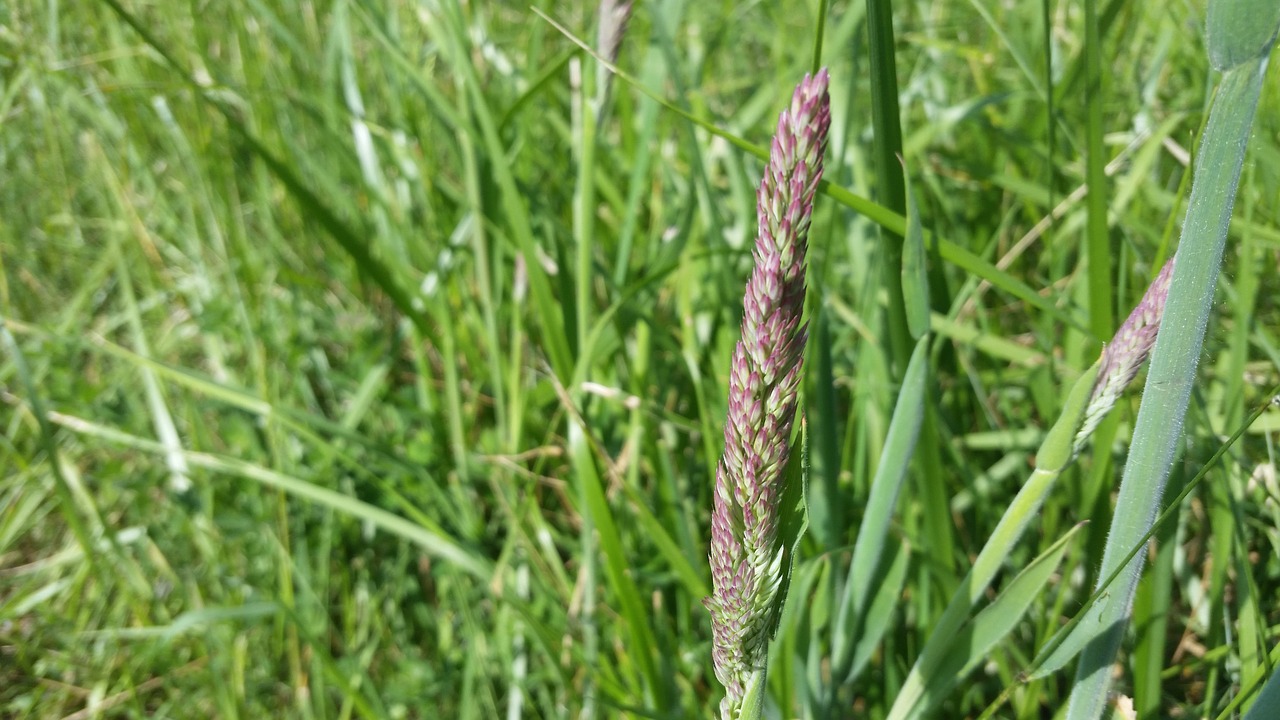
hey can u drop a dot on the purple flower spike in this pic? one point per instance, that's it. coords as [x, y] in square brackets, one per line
[1129, 348]
[747, 556]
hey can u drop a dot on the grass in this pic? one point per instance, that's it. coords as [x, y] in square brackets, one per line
[369, 359]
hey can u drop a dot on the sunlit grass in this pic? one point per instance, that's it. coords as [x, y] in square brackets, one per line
[367, 360]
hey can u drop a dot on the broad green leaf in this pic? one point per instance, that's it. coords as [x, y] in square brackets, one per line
[1267, 705]
[1240, 30]
[1158, 428]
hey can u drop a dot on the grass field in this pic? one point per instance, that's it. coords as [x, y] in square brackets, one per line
[370, 359]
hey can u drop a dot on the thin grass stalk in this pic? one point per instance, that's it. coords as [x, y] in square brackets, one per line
[892, 190]
[1098, 240]
[891, 185]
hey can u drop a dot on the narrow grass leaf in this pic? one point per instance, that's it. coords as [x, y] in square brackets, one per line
[66, 496]
[915, 274]
[1097, 237]
[583, 450]
[886, 126]
[868, 550]
[365, 397]
[823, 495]
[200, 620]
[694, 582]
[435, 544]
[884, 602]
[976, 640]
[1055, 453]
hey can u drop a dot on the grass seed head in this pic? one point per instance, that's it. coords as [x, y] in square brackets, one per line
[1128, 349]
[746, 553]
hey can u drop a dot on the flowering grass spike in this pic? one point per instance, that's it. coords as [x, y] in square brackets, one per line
[1126, 353]
[748, 560]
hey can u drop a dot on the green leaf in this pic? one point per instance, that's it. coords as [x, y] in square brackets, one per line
[1054, 454]
[793, 519]
[753, 699]
[1267, 705]
[1159, 425]
[617, 566]
[879, 613]
[1240, 30]
[915, 276]
[436, 544]
[975, 641]
[900, 444]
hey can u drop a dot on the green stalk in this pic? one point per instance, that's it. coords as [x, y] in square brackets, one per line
[892, 187]
[584, 208]
[1240, 51]
[1099, 250]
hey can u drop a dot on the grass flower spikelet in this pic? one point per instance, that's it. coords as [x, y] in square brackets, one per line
[1126, 352]
[747, 557]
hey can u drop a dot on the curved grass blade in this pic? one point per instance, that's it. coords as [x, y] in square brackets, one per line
[433, 543]
[1053, 457]
[975, 641]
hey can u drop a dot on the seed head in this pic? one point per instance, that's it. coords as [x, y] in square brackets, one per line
[747, 557]
[1129, 348]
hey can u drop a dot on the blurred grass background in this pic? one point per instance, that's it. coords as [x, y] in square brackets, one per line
[363, 359]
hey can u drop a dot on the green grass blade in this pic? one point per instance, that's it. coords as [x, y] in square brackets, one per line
[1097, 236]
[1240, 31]
[892, 188]
[1267, 704]
[1173, 364]
[1055, 452]
[868, 551]
[354, 241]
[975, 641]
[823, 500]
[887, 126]
[1269, 699]
[915, 275]
[49, 443]
[884, 603]
[617, 568]
[1152, 608]
[435, 544]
